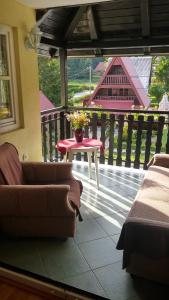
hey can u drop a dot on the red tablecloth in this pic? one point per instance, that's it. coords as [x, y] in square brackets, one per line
[65, 145]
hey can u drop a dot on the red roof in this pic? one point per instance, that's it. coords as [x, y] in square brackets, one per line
[45, 103]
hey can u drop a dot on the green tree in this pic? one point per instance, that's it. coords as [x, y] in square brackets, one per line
[49, 78]
[160, 80]
[78, 68]
[162, 72]
[78, 73]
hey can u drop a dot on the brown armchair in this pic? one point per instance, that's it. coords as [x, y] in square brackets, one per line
[37, 199]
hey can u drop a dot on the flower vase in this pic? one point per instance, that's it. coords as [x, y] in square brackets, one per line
[79, 133]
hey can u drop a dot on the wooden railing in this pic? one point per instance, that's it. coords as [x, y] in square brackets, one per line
[53, 129]
[115, 98]
[130, 137]
[115, 79]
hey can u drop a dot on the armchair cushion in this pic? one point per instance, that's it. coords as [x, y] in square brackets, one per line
[44, 173]
[10, 166]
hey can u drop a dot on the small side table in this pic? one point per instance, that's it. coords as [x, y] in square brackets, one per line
[89, 151]
[88, 145]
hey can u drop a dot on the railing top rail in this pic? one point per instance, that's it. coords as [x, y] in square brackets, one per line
[116, 75]
[95, 109]
[114, 97]
[52, 110]
[129, 111]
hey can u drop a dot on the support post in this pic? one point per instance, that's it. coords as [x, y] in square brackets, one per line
[63, 77]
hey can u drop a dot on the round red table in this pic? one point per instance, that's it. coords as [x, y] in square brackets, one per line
[88, 145]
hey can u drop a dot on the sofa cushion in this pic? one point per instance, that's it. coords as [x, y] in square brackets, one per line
[10, 166]
[152, 199]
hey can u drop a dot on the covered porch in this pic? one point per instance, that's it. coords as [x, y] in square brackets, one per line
[90, 261]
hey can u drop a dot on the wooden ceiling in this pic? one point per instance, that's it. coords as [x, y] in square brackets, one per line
[117, 27]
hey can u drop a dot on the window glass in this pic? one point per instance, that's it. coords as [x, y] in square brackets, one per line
[5, 99]
[8, 95]
[3, 56]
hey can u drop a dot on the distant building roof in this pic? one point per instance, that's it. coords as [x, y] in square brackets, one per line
[45, 103]
[101, 66]
[140, 90]
[138, 78]
[142, 66]
[143, 69]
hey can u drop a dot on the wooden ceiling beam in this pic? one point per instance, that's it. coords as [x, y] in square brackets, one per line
[92, 23]
[80, 11]
[145, 17]
[105, 52]
[111, 52]
[114, 44]
[51, 42]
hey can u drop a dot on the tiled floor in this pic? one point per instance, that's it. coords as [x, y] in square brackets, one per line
[90, 261]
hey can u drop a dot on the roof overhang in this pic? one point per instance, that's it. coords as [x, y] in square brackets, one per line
[37, 4]
[97, 28]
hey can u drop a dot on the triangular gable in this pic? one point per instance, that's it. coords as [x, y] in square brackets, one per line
[101, 79]
[132, 76]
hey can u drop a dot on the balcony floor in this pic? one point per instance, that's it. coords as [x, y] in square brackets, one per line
[90, 261]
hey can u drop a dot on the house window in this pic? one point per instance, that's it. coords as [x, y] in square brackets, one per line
[109, 92]
[116, 70]
[8, 91]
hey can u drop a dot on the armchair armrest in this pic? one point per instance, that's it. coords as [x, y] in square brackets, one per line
[31, 200]
[159, 160]
[39, 172]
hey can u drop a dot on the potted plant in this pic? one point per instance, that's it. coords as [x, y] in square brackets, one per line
[78, 121]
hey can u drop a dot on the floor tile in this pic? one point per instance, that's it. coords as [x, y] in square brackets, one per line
[115, 281]
[100, 252]
[115, 238]
[62, 259]
[119, 285]
[97, 206]
[23, 254]
[85, 212]
[87, 282]
[112, 224]
[88, 230]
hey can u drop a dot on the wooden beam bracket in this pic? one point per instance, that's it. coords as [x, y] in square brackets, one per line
[92, 23]
[80, 11]
[145, 17]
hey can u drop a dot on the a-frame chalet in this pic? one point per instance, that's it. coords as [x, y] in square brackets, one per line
[120, 87]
